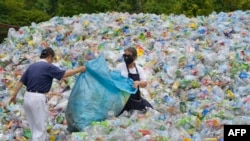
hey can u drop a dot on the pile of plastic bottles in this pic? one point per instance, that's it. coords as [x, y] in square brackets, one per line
[197, 69]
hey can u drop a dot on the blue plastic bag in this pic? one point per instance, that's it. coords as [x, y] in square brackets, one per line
[95, 93]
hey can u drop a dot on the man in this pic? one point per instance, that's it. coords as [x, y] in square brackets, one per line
[38, 79]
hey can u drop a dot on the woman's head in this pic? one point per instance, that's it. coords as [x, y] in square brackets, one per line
[130, 54]
[131, 51]
[48, 54]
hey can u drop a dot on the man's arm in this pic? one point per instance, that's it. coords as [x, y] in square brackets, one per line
[74, 71]
[16, 90]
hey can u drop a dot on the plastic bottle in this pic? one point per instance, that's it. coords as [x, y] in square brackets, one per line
[61, 137]
[217, 91]
[196, 137]
[183, 107]
[19, 133]
[243, 75]
[2, 137]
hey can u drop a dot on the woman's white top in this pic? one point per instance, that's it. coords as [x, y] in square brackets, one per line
[124, 72]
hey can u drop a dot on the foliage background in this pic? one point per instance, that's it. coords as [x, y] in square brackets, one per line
[24, 12]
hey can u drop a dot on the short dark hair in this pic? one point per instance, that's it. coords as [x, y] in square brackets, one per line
[133, 51]
[47, 52]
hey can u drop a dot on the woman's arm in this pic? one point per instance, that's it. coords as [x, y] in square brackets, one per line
[143, 80]
[141, 84]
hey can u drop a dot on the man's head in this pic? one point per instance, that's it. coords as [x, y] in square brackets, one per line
[48, 54]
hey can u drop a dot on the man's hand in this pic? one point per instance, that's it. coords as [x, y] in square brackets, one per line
[12, 99]
[17, 88]
[82, 69]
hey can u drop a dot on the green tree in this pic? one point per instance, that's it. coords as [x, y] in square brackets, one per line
[124, 7]
[17, 13]
[197, 7]
[153, 6]
[243, 5]
[24, 12]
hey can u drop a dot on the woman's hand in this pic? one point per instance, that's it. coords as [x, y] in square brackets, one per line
[136, 84]
[141, 84]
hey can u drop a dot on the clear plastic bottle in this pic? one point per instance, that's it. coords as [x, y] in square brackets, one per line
[217, 91]
[196, 137]
[61, 136]
[2, 137]
[19, 133]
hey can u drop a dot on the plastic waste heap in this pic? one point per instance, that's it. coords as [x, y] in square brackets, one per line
[197, 68]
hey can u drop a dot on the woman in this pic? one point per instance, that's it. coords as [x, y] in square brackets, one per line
[38, 80]
[130, 69]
